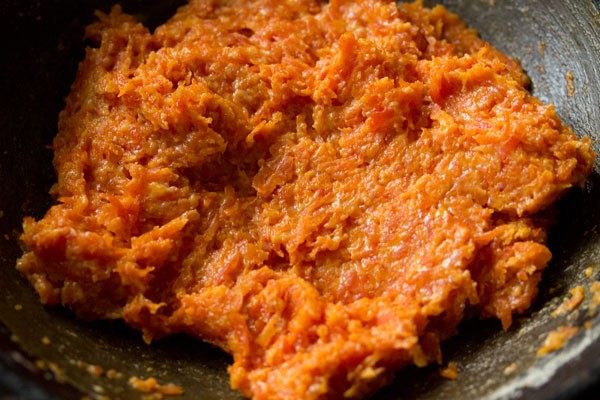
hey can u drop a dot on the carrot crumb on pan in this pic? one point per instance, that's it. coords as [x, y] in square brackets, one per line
[556, 339]
[510, 369]
[595, 300]
[571, 303]
[542, 47]
[588, 272]
[450, 372]
[151, 385]
[570, 84]
[113, 374]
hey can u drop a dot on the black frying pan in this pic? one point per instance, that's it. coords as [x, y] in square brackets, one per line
[41, 48]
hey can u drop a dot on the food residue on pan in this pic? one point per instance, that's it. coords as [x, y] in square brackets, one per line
[570, 83]
[450, 372]
[568, 305]
[542, 47]
[151, 385]
[556, 339]
[53, 370]
[588, 272]
[510, 368]
[92, 369]
[321, 189]
[541, 69]
[113, 374]
[97, 370]
[595, 300]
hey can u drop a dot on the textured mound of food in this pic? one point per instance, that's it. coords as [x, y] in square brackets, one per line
[322, 189]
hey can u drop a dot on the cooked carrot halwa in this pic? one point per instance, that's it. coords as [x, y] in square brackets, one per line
[322, 189]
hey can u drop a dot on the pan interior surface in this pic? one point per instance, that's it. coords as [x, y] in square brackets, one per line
[553, 40]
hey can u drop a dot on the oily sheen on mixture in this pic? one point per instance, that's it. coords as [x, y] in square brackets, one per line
[321, 189]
